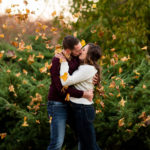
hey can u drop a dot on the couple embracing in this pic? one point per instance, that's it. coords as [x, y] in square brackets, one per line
[74, 72]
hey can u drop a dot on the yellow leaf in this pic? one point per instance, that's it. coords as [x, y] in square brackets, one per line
[25, 2]
[98, 111]
[121, 122]
[44, 27]
[21, 46]
[25, 72]
[94, 6]
[53, 29]
[1, 55]
[25, 124]
[20, 59]
[40, 56]
[11, 88]
[144, 86]
[137, 73]
[8, 10]
[4, 26]
[31, 59]
[14, 43]
[3, 135]
[114, 36]
[75, 34]
[67, 97]
[143, 115]
[24, 81]
[102, 104]
[27, 11]
[124, 59]
[112, 50]
[8, 71]
[111, 94]
[36, 38]
[98, 101]
[37, 30]
[29, 47]
[119, 95]
[120, 70]
[112, 84]
[43, 69]
[53, 13]
[112, 61]
[38, 121]
[18, 74]
[50, 119]
[122, 83]
[144, 48]
[64, 77]
[2, 36]
[83, 43]
[48, 66]
[122, 102]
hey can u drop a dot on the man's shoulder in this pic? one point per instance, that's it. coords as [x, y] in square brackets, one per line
[55, 60]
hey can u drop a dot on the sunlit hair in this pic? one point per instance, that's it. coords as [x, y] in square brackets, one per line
[69, 42]
[93, 55]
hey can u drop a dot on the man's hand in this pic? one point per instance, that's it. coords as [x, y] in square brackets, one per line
[61, 57]
[95, 79]
[88, 94]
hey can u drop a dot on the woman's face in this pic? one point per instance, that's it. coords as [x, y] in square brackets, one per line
[84, 53]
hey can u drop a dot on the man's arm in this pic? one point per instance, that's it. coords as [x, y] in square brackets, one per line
[55, 76]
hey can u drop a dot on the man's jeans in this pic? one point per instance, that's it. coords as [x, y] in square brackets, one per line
[58, 112]
[84, 116]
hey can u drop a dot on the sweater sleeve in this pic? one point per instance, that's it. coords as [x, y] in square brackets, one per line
[83, 73]
[55, 77]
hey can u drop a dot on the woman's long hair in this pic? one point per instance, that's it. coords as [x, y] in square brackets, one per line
[93, 55]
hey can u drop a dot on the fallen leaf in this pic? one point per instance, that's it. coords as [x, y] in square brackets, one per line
[83, 43]
[122, 102]
[94, 6]
[65, 76]
[144, 48]
[67, 97]
[53, 13]
[121, 122]
[11, 88]
[112, 84]
[2, 36]
[50, 119]
[3, 135]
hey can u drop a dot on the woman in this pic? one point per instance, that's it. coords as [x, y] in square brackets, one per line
[83, 110]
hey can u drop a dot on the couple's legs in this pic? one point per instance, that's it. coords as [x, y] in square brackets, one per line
[58, 112]
[84, 117]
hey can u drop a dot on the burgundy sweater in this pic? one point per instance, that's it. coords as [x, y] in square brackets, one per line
[55, 90]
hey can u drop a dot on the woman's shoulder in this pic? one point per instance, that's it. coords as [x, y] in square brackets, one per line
[88, 67]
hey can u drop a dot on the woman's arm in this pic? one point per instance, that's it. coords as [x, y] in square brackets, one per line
[82, 74]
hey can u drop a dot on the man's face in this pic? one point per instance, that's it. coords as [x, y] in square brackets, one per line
[77, 50]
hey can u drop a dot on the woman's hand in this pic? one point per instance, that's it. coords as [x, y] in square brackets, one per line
[61, 57]
[88, 95]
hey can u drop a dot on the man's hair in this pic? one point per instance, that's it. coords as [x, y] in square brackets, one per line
[69, 42]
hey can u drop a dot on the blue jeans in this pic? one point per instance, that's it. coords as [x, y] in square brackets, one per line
[58, 112]
[84, 116]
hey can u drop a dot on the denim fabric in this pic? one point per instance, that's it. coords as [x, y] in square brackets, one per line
[58, 112]
[84, 116]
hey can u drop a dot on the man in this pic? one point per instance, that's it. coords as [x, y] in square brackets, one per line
[57, 106]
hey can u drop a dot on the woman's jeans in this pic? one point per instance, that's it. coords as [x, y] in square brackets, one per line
[58, 112]
[84, 116]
